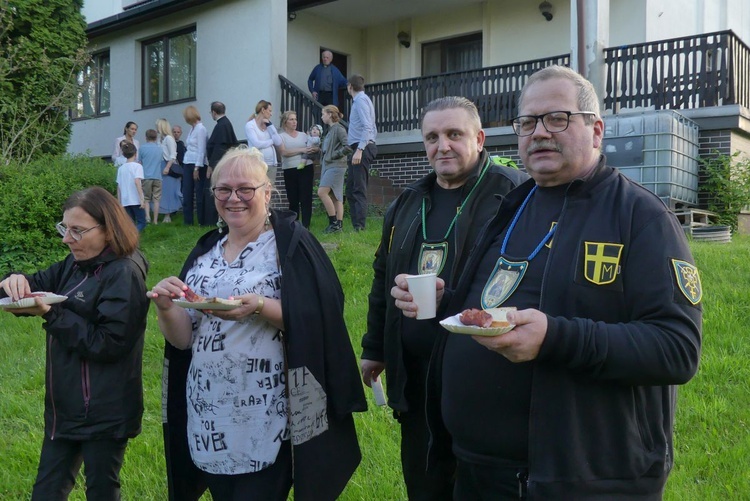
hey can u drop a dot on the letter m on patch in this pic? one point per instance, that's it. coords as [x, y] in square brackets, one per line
[602, 262]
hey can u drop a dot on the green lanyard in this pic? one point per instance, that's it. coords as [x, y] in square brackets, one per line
[460, 209]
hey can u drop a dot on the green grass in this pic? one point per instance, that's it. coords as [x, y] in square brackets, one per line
[713, 415]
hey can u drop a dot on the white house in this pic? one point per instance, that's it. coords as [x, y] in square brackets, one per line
[151, 58]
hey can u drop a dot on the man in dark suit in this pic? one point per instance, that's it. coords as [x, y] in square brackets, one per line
[222, 138]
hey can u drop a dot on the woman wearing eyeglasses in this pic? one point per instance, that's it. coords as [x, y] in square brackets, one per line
[248, 384]
[94, 394]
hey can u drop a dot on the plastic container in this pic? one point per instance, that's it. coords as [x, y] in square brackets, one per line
[658, 149]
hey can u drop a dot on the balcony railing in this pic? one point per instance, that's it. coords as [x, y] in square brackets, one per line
[494, 90]
[687, 72]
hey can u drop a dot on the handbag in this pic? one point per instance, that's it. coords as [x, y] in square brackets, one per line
[175, 170]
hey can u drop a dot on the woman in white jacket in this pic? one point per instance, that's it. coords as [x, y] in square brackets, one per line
[262, 134]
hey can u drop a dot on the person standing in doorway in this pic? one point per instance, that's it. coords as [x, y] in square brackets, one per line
[325, 80]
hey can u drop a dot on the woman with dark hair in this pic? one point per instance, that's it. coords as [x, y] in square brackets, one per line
[262, 134]
[128, 135]
[261, 389]
[94, 393]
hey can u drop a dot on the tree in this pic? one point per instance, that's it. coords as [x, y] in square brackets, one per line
[42, 50]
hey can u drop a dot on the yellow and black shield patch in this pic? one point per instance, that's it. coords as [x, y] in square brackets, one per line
[602, 262]
[688, 280]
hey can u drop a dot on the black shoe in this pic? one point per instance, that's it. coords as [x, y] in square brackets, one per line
[333, 228]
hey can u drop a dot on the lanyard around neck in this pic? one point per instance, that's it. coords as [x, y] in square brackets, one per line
[513, 226]
[460, 209]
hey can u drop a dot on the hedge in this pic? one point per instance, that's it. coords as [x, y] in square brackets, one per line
[31, 198]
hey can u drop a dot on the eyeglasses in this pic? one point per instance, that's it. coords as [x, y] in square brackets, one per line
[244, 193]
[554, 121]
[75, 234]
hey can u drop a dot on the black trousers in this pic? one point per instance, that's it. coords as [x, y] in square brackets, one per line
[475, 482]
[437, 484]
[270, 484]
[61, 459]
[325, 97]
[357, 178]
[193, 190]
[299, 192]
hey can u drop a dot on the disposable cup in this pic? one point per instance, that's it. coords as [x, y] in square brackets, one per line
[422, 289]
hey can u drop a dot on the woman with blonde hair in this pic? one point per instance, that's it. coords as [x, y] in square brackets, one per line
[194, 181]
[171, 191]
[279, 380]
[333, 164]
[262, 134]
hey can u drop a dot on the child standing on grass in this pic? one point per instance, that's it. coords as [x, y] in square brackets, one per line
[129, 189]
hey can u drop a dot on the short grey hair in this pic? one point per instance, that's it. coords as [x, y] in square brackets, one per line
[587, 98]
[450, 103]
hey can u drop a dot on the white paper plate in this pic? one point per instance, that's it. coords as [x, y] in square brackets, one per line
[454, 325]
[48, 298]
[236, 303]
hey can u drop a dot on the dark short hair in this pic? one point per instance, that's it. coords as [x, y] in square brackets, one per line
[151, 135]
[357, 82]
[119, 230]
[218, 107]
[128, 149]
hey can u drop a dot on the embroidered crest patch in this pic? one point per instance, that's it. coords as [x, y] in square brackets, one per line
[602, 262]
[688, 280]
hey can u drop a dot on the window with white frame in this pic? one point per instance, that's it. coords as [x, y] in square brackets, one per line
[93, 88]
[169, 68]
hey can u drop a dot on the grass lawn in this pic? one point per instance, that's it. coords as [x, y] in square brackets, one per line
[713, 415]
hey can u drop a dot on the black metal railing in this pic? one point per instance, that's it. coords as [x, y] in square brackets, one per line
[308, 110]
[688, 72]
[494, 90]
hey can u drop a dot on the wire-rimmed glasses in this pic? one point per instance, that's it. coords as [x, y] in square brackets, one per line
[75, 233]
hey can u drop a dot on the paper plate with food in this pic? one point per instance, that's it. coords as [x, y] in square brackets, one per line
[198, 302]
[490, 322]
[29, 299]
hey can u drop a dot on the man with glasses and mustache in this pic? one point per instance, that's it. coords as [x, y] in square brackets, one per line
[577, 401]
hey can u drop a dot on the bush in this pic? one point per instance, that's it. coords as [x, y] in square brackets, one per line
[32, 196]
[728, 182]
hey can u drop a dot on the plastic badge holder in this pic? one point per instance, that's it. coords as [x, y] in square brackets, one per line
[377, 390]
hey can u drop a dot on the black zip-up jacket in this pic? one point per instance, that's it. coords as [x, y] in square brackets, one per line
[603, 394]
[403, 221]
[94, 386]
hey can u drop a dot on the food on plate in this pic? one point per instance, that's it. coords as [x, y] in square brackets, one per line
[493, 318]
[34, 294]
[192, 297]
[473, 316]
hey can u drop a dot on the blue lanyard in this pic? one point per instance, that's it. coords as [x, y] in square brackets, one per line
[513, 226]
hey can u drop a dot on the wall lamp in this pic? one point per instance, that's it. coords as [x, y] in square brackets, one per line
[292, 16]
[546, 9]
[404, 39]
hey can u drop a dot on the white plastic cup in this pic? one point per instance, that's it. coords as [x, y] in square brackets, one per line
[423, 290]
[378, 393]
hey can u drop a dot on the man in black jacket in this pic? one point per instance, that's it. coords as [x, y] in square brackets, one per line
[577, 401]
[222, 138]
[429, 229]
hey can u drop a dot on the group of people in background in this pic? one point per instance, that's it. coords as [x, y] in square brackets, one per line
[178, 177]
